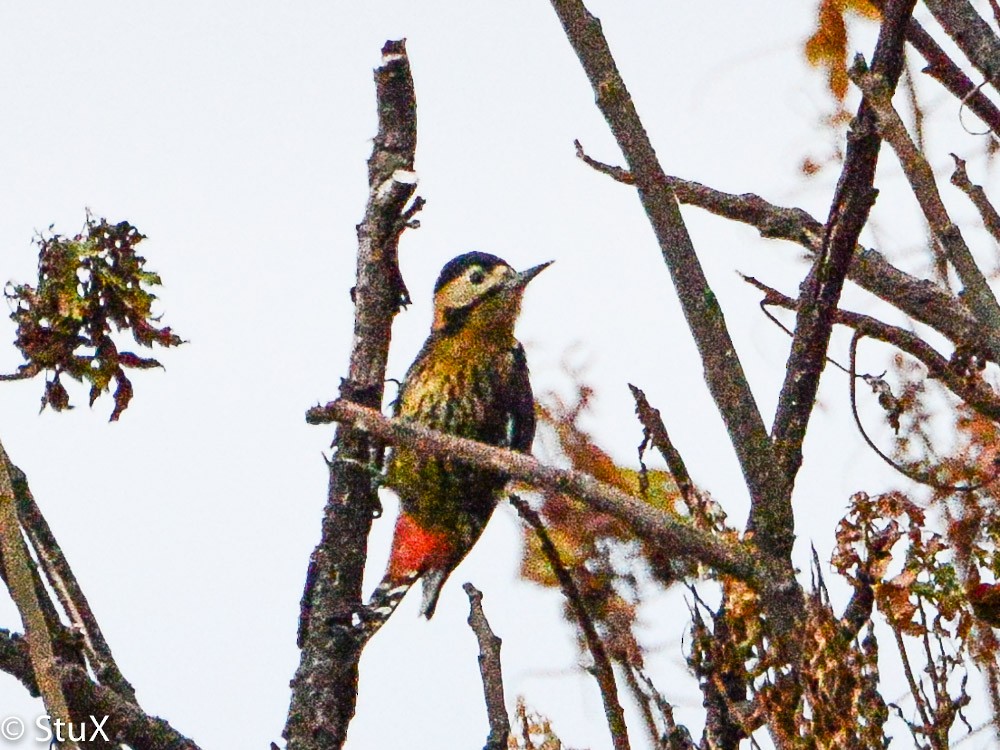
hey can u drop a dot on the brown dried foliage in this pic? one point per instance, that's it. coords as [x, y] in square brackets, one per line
[89, 287]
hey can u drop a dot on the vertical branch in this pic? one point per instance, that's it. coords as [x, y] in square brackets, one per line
[489, 669]
[22, 590]
[722, 368]
[324, 689]
[603, 672]
[821, 289]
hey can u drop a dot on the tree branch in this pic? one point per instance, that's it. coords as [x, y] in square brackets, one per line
[971, 33]
[921, 299]
[722, 368]
[490, 670]
[656, 431]
[942, 69]
[324, 689]
[821, 291]
[973, 391]
[989, 215]
[978, 295]
[21, 583]
[127, 723]
[650, 524]
[603, 672]
[60, 576]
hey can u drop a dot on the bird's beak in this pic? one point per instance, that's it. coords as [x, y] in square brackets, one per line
[521, 280]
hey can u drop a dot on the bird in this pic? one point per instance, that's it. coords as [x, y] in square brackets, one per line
[470, 379]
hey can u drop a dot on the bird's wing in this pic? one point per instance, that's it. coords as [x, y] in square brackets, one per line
[521, 405]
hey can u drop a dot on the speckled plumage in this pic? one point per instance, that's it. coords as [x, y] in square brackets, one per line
[470, 379]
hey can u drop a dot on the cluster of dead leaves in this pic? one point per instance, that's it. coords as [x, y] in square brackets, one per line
[89, 286]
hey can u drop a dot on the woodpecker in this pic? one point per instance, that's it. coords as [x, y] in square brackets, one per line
[470, 379]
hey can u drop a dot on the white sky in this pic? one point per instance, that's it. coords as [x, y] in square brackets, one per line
[234, 135]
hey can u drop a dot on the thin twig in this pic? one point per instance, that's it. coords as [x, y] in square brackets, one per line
[603, 672]
[324, 689]
[943, 69]
[656, 431]
[490, 670]
[675, 736]
[989, 215]
[916, 476]
[645, 705]
[648, 523]
[971, 33]
[915, 689]
[973, 391]
[921, 300]
[619, 174]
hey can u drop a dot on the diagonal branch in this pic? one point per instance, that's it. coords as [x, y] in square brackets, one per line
[21, 583]
[942, 69]
[722, 368]
[920, 299]
[651, 524]
[60, 576]
[603, 672]
[656, 432]
[324, 689]
[972, 390]
[987, 212]
[978, 295]
[971, 33]
[821, 289]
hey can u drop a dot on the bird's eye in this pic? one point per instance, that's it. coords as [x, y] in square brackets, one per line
[476, 277]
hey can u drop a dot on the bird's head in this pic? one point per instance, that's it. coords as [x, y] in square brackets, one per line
[480, 290]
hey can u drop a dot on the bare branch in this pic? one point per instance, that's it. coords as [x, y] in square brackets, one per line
[822, 288]
[989, 215]
[942, 68]
[60, 576]
[653, 425]
[127, 723]
[971, 33]
[674, 736]
[21, 583]
[723, 370]
[615, 173]
[978, 294]
[655, 526]
[922, 300]
[490, 670]
[603, 672]
[972, 390]
[324, 689]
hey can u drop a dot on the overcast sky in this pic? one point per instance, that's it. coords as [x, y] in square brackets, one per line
[234, 135]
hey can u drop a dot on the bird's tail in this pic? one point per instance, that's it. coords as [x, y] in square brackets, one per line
[384, 600]
[416, 552]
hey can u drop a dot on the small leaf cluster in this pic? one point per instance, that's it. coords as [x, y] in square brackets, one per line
[89, 286]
